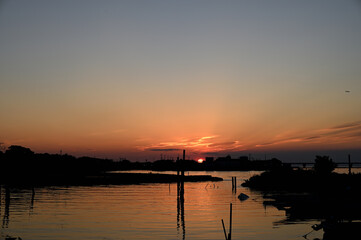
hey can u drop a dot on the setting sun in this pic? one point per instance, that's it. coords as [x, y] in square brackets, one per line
[200, 160]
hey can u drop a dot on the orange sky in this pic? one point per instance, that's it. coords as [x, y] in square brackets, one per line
[115, 80]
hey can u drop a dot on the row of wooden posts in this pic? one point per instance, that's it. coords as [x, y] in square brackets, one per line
[229, 235]
[180, 201]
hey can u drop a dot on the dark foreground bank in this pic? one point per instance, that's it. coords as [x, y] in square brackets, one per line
[100, 179]
[136, 178]
[331, 198]
[306, 194]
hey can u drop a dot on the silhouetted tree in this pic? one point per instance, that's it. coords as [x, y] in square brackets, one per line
[19, 152]
[324, 165]
[17, 159]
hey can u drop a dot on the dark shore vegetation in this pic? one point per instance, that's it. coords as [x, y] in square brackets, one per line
[19, 166]
[316, 194]
[319, 179]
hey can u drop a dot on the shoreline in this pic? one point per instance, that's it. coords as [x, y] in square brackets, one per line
[101, 179]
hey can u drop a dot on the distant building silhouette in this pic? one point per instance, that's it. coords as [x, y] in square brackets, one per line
[228, 163]
[209, 160]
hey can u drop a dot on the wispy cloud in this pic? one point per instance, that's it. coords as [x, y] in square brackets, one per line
[335, 134]
[212, 143]
[356, 124]
[163, 149]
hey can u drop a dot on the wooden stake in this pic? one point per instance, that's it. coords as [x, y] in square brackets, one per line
[224, 230]
[230, 223]
[178, 166]
[234, 184]
[182, 166]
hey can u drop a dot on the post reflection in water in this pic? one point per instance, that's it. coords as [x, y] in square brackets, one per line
[5, 223]
[180, 207]
[32, 201]
[7, 200]
[180, 198]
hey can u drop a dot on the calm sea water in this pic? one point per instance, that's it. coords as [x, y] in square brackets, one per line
[145, 211]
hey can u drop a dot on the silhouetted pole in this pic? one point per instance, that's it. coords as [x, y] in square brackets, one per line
[230, 223]
[177, 166]
[229, 237]
[182, 174]
[224, 230]
[183, 161]
[178, 177]
[349, 164]
[180, 193]
[234, 184]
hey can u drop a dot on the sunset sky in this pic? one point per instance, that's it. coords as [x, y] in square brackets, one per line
[138, 79]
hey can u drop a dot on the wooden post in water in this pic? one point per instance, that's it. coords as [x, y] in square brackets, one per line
[229, 237]
[224, 230]
[180, 194]
[183, 161]
[182, 174]
[177, 163]
[235, 184]
[230, 223]
[349, 165]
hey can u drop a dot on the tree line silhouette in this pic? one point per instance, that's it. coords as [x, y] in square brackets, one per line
[19, 164]
[19, 160]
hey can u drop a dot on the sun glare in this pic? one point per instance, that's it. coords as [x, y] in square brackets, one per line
[200, 160]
